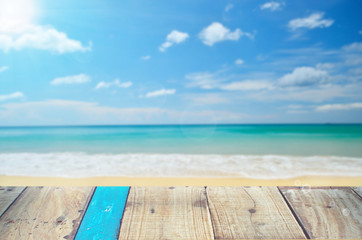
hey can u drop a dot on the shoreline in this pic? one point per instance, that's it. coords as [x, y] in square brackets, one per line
[305, 181]
[85, 165]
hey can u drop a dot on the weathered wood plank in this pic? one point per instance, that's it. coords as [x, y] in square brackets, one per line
[327, 213]
[8, 196]
[358, 190]
[166, 213]
[103, 217]
[251, 212]
[45, 213]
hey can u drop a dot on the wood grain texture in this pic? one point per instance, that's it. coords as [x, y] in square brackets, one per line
[45, 213]
[104, 214]
[327, 212]
[166, 213]
[8, 196]
[251, 212]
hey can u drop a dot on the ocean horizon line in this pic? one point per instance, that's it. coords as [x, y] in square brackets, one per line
[175, 125]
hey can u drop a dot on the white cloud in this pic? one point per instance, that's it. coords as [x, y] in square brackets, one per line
[315, 20]
[272, 6]
[207, 99]
[175, 37]
[239, 61]
[160, 92]
[352, 58]
[247, 85]
[297, 109]
[261, 57]
[324, 82]
[311, 74]
[147, 57]
[115, 83]
[229, 7]
[299, 77]
[333, 107]
[74, 79]
[18, 31]
[325, 66]
[16, 14]
[353, 47]
[66, 112]
[14, 95]
[4, 68]
[295, 106]
[360, 32]
[216, 32]
[72, 112]
[204, 80]
[303, 76]
[42, 38]
[312, 85]
[124, 84]
[218, 80]
[318, 94]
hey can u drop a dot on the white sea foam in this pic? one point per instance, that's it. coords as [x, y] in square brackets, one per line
[74, 164]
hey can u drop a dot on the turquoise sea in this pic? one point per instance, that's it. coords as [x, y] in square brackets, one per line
[339, 140]
[187, 150]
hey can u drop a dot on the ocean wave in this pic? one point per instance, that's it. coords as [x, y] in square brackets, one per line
[79, 164]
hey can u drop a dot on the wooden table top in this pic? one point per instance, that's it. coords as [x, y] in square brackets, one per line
[180, 212]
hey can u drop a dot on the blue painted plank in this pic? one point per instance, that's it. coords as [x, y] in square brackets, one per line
[104, 214]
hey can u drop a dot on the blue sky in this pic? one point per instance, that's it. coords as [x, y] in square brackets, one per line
[154, 62]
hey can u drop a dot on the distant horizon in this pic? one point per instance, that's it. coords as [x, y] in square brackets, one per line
[175, 124]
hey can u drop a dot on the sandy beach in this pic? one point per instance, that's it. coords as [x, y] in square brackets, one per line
[306, 181]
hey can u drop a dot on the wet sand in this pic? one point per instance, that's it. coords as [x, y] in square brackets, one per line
[306, 181]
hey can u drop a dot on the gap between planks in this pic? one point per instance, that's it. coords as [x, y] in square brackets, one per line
[8, 196]
[45, 213]
[326, 212]
[103, 217]
[166, 213]
[342, 194]
[251, 213]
